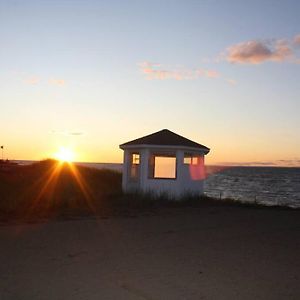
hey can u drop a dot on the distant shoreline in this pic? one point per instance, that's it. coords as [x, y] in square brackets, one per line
[115, 165]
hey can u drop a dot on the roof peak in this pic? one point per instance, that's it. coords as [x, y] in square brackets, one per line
[165, 137]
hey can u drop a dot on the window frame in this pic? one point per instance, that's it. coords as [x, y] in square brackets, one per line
[193, 157]
[134, 166]
[151, 165]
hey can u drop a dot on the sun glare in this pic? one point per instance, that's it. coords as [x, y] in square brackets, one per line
[65, 155]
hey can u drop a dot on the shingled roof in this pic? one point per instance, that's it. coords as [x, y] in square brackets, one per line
[165, 137]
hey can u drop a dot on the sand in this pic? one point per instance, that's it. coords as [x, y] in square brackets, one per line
[186, 253]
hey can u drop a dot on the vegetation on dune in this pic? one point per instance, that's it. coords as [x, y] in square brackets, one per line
[51, 187]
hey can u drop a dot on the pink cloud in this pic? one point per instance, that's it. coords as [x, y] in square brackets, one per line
[297, 40]
[231, 81]
[259, 51]
[212, 74]
[32, 80]
[256, 52]
[59, 82]
[155, 71]
[282, 51]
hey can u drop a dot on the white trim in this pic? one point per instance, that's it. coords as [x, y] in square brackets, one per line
[165, 147]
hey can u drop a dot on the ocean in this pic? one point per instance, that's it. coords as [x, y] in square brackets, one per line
[265, 185]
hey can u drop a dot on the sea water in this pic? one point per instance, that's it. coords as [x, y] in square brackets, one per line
[266, 185]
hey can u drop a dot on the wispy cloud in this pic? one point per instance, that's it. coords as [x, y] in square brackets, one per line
[259, 51]
[67, 133]
[297, 40]
[290, 162]
[276, 163]
[33, 80]
[36, 80]
[211, 73]
[59, 82]
[158, 71]
[231, 81]
[76, 133]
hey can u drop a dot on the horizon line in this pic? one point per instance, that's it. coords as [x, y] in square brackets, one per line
[221, 164]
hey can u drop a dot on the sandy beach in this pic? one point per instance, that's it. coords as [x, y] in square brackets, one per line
[176, 253]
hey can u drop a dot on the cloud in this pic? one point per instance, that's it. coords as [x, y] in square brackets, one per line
[275, 163]
[259, 51]
[290, 162]
[297, 40]
[59, 82]
[256, 52]
[67, 133]
[76, 133]
[35, 80]
[32, 80]
[212, 74]
[156, 71]
[231, 81]
[248, 164]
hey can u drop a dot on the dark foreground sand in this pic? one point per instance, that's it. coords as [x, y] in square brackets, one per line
[203, 253]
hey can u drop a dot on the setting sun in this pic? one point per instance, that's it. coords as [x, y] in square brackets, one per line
[65, 154]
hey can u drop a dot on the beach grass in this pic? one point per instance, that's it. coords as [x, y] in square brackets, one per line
[49, 187]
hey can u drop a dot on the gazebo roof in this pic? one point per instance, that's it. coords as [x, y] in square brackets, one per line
[165, 137]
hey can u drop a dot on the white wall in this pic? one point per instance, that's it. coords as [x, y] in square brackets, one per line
[183, 184]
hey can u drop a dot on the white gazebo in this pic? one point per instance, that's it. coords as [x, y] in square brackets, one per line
[163, 162]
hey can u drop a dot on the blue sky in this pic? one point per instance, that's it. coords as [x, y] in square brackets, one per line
[93, 74]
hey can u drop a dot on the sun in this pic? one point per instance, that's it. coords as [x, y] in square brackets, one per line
[64, 155]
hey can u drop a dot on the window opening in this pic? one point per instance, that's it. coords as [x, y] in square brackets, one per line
[189, 159]
[134, 168]
[162, 166]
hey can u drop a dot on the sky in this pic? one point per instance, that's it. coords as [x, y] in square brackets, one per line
[90, 75]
